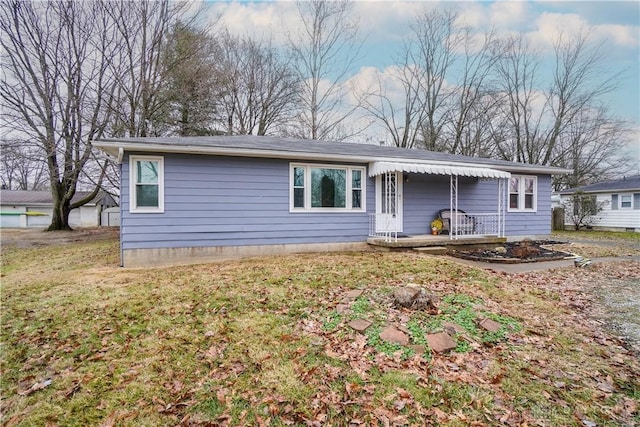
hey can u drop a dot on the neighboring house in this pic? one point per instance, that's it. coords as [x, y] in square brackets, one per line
[20, 208]
[193, 199]
[620, 200]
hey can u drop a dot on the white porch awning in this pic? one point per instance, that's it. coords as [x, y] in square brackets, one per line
[379, 168]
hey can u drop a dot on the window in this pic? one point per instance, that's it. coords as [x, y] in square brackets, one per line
[522, 193]
[146, 175]
[327, 188]
[625, 201]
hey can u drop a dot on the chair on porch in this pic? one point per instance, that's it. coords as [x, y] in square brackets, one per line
[466, 223]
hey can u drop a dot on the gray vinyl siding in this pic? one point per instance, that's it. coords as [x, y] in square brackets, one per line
[230, 201]
[424, 196]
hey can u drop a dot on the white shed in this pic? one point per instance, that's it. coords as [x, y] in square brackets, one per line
[20, 208]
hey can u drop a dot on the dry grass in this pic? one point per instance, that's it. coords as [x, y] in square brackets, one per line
[235, 344]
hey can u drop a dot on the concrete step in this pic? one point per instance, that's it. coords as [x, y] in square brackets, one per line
[432, 250]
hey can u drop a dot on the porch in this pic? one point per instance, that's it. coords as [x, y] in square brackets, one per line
[409, 196]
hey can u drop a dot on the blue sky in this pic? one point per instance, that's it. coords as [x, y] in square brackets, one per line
[384, 24]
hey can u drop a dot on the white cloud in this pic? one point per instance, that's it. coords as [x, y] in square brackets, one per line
[262, 20]
[508, 14]
[622, 35]
[551, 26]
[388, 19]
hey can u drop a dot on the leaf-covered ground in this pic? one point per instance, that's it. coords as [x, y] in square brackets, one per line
[262, 342]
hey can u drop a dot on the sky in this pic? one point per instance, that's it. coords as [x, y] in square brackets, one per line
[385, 24]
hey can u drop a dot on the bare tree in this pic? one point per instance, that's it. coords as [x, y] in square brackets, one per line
[55, 88]
[22, 166]
[437, 37]
[434, 114]
[401, 120]
[258, 87]
[590, 145]
[473, 99]
[142, 27]
[324, 52]
[517, 72]
[566, 124]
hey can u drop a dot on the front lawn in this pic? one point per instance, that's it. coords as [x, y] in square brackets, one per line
[267, 342]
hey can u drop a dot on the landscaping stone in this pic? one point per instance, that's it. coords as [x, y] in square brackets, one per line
[393, 335]
[406, 296]
[351, 295]
[342, 308]
[453, 328]
[427, 301]
[359, 325]
[441, 342]
[415, 298]
[490, 325]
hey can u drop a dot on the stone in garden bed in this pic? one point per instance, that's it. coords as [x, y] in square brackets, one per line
[359, 325]
[490, 325]
[441, 342]
[416, 298]
[394, 335]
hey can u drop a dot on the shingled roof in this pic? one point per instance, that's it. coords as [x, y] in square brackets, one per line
[44, 198]
[628, 183]
[275, 147]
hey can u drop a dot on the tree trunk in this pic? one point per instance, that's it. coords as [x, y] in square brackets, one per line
[60, 217]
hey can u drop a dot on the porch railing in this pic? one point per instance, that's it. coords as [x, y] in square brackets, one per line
[476, 224]
[373, 228]
[468, 225]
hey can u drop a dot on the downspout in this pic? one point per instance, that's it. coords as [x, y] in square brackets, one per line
[120, 157]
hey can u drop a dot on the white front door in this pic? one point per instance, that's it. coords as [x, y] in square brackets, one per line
[389, 203]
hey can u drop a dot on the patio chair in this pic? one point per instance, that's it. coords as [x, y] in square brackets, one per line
[466, 223]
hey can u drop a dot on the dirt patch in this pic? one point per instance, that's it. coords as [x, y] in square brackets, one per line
[516, 252]
[28, 237]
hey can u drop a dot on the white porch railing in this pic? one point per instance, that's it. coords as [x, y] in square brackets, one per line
[375, 226]
[467, 225]
[476, 224]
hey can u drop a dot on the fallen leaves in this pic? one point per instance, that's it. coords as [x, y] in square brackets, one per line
[39, 385]
[204, 345]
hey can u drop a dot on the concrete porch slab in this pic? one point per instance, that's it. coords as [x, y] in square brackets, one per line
[427, 240]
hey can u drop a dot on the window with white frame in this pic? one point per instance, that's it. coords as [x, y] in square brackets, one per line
[146, 177]
[523, 193]
[625, 201]
[327, 188]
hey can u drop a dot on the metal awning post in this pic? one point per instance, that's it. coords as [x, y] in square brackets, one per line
[502, 205]
[453, 206]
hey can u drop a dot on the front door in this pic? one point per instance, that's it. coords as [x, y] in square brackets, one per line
[389, 203]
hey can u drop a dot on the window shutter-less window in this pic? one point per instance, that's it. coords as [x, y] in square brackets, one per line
[636, 201]
[614, 202]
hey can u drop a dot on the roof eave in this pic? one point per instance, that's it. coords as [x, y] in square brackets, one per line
[114, 148]
[613, 190]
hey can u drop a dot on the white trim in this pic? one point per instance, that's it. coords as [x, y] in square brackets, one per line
[348, 188]
[379, 168]
[521, 194]
[112, 146]
[386, 222]
[133, 208]
[620, 196]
